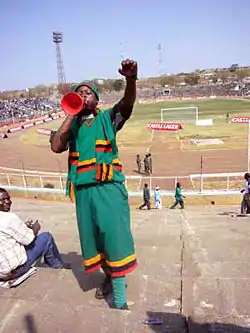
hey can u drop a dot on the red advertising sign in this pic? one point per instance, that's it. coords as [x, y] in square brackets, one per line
[240, 120]
[163, 126]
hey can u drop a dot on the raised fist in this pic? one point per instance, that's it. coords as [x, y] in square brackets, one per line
[128, 68]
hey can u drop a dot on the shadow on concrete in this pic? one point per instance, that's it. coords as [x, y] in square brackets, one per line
[86, 281]
[29, 323]
[228, 213]
[177, 323]
[142, 173]
[172, 323]
[215, 327]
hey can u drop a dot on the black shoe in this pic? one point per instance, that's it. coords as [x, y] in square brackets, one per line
[124, 307]
[66, 265]
[105, 289]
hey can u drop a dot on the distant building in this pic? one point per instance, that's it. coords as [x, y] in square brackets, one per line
[100, 81]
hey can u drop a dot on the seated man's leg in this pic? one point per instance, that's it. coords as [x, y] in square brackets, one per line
[43, 246]
[46, 243]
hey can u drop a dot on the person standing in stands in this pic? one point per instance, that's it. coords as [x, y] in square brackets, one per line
[146, 197]
[96, 181]
[178, 197]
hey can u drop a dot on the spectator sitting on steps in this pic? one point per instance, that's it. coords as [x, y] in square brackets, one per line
[21, 245]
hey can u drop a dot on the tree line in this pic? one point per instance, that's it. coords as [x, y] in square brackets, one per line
[109, 85]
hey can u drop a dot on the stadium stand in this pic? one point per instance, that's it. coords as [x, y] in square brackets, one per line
[25, 109]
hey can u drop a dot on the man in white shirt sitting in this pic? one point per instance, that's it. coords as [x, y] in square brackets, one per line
[20, 244]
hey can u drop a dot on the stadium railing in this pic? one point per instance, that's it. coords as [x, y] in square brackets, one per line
[202, 184]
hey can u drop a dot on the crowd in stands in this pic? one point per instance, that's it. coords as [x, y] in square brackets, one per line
[23, 109]
[229, 89]
[28, 108]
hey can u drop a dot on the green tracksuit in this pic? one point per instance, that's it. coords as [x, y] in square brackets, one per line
[96, 181]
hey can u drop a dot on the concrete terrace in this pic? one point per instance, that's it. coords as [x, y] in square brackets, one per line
[193, 273]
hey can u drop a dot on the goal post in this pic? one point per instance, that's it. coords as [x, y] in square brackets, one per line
[181, 114]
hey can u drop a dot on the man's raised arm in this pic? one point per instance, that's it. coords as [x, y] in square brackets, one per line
[60, 139]
[129, 70]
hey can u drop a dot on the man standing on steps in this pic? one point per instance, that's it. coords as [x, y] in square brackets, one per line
[96, 181]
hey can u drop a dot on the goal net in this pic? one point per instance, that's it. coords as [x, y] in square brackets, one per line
[189, 114]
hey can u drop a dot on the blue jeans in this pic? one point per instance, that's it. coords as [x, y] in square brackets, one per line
[43, 246]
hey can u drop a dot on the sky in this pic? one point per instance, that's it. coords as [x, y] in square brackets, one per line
[99, 34]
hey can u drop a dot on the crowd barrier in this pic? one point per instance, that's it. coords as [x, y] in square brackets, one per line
[3, 136]
[28, 125]
[194, 184]
[31, 123]
[44, 131]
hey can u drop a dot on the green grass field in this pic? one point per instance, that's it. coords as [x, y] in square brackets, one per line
[233, 135]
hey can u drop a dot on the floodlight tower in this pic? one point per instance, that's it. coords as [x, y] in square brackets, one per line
[58, 39]
[160, 59]
[122, 44]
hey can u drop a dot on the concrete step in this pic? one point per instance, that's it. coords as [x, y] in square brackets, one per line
[63, 301]
[193, 273]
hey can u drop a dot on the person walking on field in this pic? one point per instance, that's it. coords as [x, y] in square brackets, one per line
[96, 181]
[146, 198]
[157, 195]
[178, 197]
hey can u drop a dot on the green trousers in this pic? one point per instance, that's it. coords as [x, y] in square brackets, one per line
[103, 218]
